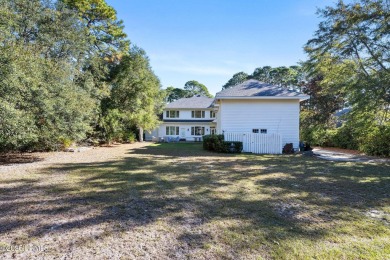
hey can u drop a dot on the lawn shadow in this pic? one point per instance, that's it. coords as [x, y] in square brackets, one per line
[268, 198]
[18, 158]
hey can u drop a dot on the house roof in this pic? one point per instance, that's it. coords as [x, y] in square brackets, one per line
[256, 89]
[192, 102]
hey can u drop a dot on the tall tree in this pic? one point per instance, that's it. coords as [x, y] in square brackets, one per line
[237, 78]
[356, 35]
[136, 90]
[292, 76]
[194, 88]
[173, 94]
[39, 44]
[106, 41]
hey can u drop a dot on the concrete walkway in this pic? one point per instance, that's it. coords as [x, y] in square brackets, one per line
[346, 157]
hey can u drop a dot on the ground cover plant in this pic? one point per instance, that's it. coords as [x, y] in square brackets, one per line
[177, 200]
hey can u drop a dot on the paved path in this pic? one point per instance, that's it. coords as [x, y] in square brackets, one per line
[346, 157]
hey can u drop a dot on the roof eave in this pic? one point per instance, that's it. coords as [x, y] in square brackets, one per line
[300, 98]
[187, 108]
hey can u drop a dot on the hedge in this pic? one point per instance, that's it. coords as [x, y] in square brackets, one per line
[216, 143]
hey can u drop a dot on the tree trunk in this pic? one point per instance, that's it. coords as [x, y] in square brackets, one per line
[141, 134]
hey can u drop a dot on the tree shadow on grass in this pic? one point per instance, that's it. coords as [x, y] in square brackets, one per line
[18, 158]
[278, 198]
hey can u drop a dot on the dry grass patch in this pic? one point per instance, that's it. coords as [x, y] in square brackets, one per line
[177, 201]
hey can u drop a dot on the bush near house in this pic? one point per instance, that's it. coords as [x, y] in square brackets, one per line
[216, 143]
[374, 140]
[377, 141]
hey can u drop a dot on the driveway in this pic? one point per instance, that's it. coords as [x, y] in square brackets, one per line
[345, 156]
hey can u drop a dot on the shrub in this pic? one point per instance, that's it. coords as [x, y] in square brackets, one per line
[344, 137]
[376, 142]
[210, 142]
[230, 147]
[65, 142]
[216, 143]
[130, 137]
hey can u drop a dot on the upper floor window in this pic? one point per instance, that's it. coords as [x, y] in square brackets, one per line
[212, 114]
[172, 114]
[198, 114]
[256, 131]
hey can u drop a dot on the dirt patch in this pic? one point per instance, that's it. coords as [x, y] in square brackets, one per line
[341, 150]
[344, 155]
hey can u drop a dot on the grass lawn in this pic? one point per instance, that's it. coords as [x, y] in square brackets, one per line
[178, 201]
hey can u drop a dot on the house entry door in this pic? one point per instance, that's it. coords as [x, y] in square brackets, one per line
[182, 133]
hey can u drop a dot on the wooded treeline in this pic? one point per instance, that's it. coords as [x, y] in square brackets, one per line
[68, 72]
[348, 69]
[191, 88]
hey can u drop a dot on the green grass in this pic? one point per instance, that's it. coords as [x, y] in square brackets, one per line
[232, 206]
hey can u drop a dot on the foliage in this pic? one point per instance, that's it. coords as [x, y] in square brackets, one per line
[210, 141]
[59, 63]
[377, 141]
[17, 129]
[104, 30]
[136, 91]
[194, 88]
[39, 44]
[292, 77]
[348, 65]
[351, 50]
[322, 104]
[111, 124]
[281, 76]
[130, 137]
[191, 88]
[65, 142]
[216, 143]
[173, 94]
[237, 78]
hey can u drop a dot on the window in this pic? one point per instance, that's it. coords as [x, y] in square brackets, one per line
[197, 114]
[256, 131]
[172, 130]
[197, 130]
[172, 114]
[213, 131]
[212, 114]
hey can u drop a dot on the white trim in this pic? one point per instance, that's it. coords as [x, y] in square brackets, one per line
[301, 98]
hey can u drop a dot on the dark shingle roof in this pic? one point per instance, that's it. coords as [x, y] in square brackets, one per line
[255, 88]
[192, 102]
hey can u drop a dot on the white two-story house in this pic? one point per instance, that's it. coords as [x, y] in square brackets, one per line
[186, 119]
[251, 107]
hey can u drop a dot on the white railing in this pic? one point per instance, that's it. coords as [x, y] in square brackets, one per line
[257, 143]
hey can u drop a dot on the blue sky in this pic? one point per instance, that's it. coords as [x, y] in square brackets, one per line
[210, 40]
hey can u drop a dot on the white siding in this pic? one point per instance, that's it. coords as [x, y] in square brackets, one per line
[277, 116]
[184, 126]
[185, 114]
